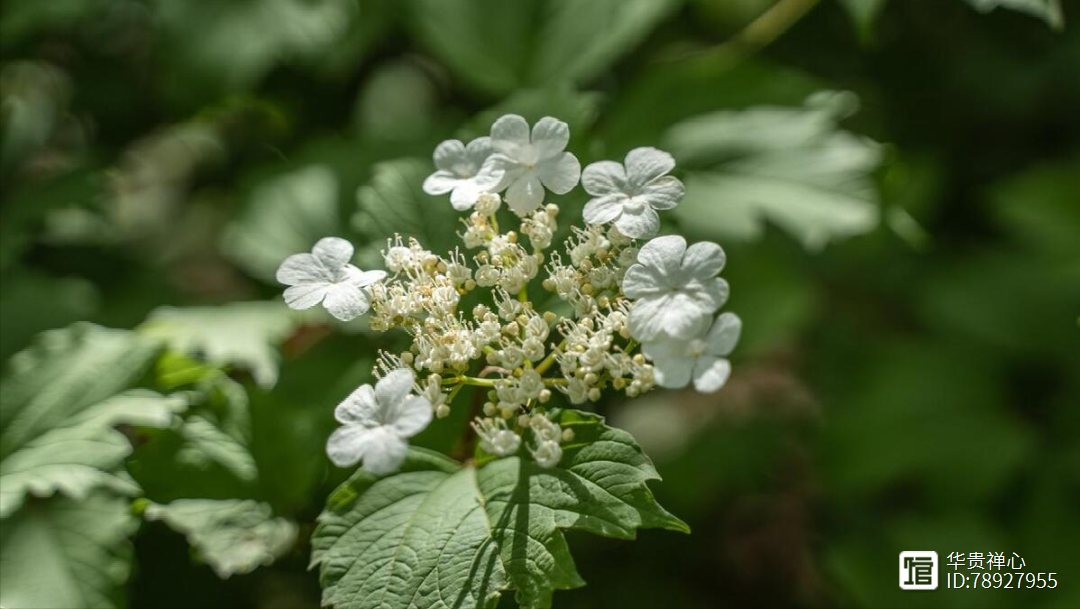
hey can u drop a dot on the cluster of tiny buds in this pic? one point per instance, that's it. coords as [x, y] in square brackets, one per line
[623, 317]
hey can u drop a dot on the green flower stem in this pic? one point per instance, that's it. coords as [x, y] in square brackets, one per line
[550, 359]
[476, 382]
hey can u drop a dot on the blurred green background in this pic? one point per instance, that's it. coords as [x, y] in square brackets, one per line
[896, 183]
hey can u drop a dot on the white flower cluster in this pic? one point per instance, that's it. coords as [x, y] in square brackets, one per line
[624, 317]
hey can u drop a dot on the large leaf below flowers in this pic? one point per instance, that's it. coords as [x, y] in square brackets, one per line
[60, 407]
[793, 167]
[439, 534]
[61, 553]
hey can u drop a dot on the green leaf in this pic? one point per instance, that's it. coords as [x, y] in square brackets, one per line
[216, 430]
[239, 42]
[60, 407]
[500, 46]
[244, 334]
[286, 216]
[70, 299]
[864, 13]
[205, 441]
[578, 109]
[1038, 207]
[439, 534]
[232, 536]
[790, 166]
[62, 553]
[1047, 10]
[395, 203]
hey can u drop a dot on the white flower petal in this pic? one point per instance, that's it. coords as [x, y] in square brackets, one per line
[464, 195]
[510, 134]
[673, 373]
[644, 165]
[661, 194]
[645, 319]
[703, 260]
[710, 294]
[641, 225]
[674, 315]
[333, 252]
[560, 174]
[663, 254]
[307, 295]
[392, 389]
[640, 282]
[362, 279]
[550, 137]
[710, 373]
[384, 452]
[724, 334]
[664, 348]
[450, 156]
[346, 301]
[440, 182]
[603, 209]
[411, 416]
[525, 194]
[491, 174]
[359, 408]
[506, 169]
[302, 268]
[604, 177]
[348, 444]
[479, 150]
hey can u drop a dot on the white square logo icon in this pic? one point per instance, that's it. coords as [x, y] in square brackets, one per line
[918, 570]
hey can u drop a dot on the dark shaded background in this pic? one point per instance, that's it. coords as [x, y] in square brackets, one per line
[911, 388]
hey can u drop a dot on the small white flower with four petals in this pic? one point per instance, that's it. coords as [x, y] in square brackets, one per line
[703, 360]
[675, 288]
[377, 422]
[325, 275]
[461, 171]
[629, 195]
[531, 162]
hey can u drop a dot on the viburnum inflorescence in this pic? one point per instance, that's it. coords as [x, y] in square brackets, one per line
[641, 315]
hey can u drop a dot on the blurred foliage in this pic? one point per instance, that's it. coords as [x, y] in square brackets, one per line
[907, 267]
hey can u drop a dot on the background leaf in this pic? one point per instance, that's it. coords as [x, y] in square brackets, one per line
[394, 203]
[233, 536]
[286, 216]
[496, 47]
[792, 167]
[67, 554]
[59, 413]
[242, 334]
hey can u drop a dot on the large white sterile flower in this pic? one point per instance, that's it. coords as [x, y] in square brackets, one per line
[704, 360]
[630, 195]
[325, 275]
[377, 422]
[460, 171]
[674, 288]
[532, 162]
